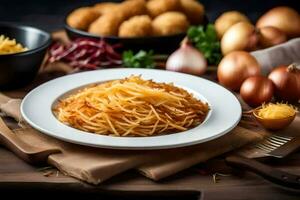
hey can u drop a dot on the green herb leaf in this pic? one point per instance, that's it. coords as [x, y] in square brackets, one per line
[141, 59]
[205, 39]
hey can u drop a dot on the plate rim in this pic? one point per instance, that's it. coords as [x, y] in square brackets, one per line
[109, 146]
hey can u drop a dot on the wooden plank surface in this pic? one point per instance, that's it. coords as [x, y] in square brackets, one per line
[14, 173]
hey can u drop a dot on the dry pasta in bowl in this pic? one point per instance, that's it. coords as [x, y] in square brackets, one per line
[9, 46]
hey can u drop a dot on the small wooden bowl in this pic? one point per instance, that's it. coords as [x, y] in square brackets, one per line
[273, 124]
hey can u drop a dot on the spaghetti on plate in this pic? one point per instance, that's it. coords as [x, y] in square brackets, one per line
[131, 107]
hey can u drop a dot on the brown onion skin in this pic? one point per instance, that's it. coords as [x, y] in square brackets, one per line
[287, 83]
[270, 36]
[235, 67]
[257, 90]
[227, 19]
[241, 36]
[284, 18]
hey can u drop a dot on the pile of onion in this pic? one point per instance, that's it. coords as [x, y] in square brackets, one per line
[283, 82]
[236, 67]
[240, 36]
[287, 83]
[270, 36]
[256, 90]
[274, 27]
[239, 71]
[243, 36]
[227, 19]
[285, 19]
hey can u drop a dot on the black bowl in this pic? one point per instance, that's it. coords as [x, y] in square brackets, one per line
[159, 44]
[18, 69]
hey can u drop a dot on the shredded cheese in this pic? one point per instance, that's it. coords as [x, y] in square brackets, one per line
[276, 111]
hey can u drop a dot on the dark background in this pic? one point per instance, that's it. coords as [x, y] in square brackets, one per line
[49, 15]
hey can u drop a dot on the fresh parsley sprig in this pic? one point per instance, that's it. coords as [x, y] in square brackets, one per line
[205, 39]
[141, 59]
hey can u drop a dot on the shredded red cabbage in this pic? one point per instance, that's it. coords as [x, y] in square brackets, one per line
[86, 53]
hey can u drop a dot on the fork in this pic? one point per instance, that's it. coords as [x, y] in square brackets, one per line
[275, 146]
[278, 146]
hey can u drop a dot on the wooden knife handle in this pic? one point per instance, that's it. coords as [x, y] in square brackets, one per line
[271, 174]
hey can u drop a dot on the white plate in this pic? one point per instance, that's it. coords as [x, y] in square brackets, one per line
[225, 113]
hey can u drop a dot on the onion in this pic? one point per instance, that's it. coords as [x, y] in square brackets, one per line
[187, 59]
[256, 90]
[287, 83]
[284, 18]
[240, 36]
[270, 36]
[235, 67]
[227, 19]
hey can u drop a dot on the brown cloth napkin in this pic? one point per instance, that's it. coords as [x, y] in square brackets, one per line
[94, 165]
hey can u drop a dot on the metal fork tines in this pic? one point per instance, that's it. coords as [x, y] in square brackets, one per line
[277, 146]
[272, 143]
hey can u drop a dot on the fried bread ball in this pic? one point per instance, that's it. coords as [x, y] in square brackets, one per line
[137, 26]
[81, 18]
[106, 7]
[157, 7]
[132, 8]
[170, 23]
[194, 11]
[106, 25]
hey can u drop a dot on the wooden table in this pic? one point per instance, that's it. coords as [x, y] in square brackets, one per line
[17, 175]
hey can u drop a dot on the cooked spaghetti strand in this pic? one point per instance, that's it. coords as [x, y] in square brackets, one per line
[131, 107]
